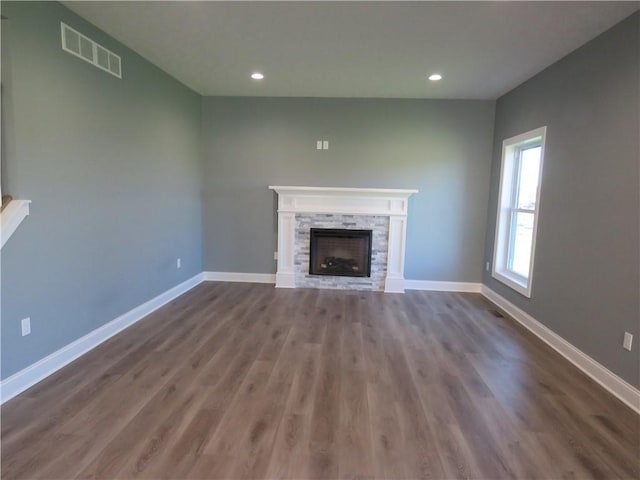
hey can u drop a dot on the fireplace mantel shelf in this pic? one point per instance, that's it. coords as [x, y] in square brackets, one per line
[343, 190]
[389, 202]
[340, 200]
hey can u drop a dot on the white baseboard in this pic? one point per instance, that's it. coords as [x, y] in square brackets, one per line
[408, 284]
[20, 381]
[240, 277]
[436, 286]
[624, 391]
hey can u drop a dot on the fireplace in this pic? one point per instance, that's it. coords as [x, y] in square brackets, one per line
[381, 210]
[340, 252]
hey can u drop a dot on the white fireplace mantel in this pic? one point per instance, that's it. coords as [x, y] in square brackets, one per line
[343, 201]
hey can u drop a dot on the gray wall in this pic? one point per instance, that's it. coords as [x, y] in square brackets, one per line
[585, 282]
[441, 147]
[113, 168]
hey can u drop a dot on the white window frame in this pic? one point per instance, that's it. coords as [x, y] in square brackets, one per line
[507, 198]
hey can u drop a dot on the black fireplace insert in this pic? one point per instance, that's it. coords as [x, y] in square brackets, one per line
[340, 252]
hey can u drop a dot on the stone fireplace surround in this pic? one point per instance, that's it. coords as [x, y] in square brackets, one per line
[300, 208]
[379, 225]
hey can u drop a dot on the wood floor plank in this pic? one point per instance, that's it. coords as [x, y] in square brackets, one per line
[303, 388]
[288, 446]
[245, 381]
[256, 446]
[419, 443]
[386, 434]
[323, 451]
[355, 459]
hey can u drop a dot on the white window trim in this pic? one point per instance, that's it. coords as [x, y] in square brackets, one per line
[500, 271]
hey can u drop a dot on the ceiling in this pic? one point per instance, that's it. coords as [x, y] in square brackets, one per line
[353, 49]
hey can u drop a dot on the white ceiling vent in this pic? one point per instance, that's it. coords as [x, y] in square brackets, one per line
[83, 47]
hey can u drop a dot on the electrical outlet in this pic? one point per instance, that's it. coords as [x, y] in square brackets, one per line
[179, 263]
[26, 326]
[275, 255]
[487, 267]
[319, 145]
[628, 341]
[325, 144]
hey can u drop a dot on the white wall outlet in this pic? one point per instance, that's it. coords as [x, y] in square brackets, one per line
[319, 145]
[275, 255]
[26, 326]
[325, 144]
[628, 341]
[178, 263]
[487, 267]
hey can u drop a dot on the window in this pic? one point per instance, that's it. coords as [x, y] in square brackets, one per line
[520, 179]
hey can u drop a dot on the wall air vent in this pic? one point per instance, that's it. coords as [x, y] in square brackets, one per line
[83, 47]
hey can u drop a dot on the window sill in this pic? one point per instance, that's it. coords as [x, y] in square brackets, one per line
[513, 282]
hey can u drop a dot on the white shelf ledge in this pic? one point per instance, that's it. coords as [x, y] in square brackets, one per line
[387, 192]
[11, 217]
[345, 201]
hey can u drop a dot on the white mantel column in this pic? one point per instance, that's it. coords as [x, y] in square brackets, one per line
[394, 282]
[285, 276]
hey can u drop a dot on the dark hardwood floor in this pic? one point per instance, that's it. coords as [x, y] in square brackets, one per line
[238, 381]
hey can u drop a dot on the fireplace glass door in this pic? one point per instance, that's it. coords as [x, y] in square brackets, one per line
[340, 252]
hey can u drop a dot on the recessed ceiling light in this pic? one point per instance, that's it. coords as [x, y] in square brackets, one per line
[257, 76]
[435, 77]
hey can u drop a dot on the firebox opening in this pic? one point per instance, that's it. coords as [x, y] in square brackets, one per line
[340, 252]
